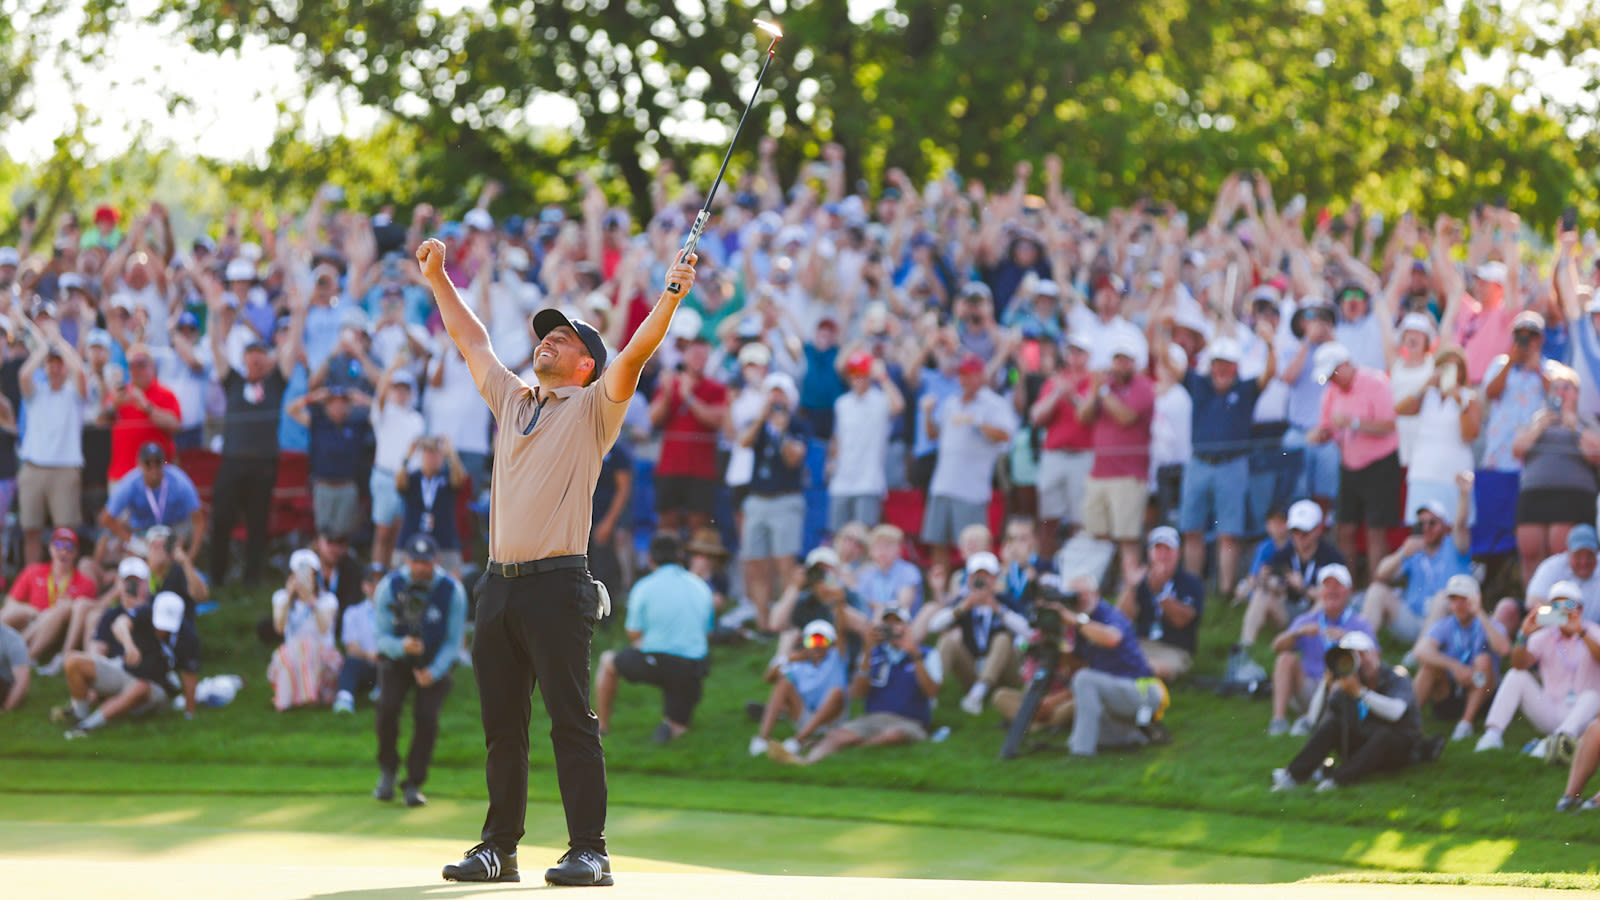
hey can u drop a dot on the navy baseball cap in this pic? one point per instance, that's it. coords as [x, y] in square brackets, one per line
[548, 320]
[422, 548]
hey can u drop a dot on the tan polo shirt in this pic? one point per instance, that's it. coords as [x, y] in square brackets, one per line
[542, 496]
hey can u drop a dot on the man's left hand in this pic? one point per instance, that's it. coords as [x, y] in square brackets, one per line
[424, 677]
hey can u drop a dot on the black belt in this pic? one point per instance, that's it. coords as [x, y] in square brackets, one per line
[538, 566]
[1217, 459]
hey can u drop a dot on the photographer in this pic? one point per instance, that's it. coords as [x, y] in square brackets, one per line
[978, 644]
[1565, 697]
[1366, 715]
[421, 617]
[774, 510]
[1290, 582]
[1301, 647]
[808, 686]
[898, 680]
[819, 592]
[670, 615]
[1117, 701]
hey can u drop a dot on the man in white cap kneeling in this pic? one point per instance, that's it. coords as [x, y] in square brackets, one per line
[161, 659]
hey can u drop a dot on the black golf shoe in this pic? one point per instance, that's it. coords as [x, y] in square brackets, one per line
[580, 868]
[484, 862]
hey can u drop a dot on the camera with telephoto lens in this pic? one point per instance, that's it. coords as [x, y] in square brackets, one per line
[1341, 662]
[410, 605]
[1046, 621]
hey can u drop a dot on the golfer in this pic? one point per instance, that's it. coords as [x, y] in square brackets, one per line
[537, 604]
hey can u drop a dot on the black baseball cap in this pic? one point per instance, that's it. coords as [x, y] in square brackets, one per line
[422, 548]
[548, 320]
[152, 452]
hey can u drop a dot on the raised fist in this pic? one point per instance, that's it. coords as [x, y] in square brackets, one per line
[430, 256]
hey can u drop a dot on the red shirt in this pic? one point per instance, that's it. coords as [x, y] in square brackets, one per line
[689, 447]
[35, 588]
[1123, 451]
[1063, 431]
[134, 428]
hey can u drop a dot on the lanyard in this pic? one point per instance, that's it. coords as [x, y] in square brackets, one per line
[1464, 643]
[430, 489]
[52, 590]
[157, 506]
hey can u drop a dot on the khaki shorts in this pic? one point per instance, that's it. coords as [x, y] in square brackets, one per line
[873, 725]
[1114, 508]
[49, 495]
[1062, 477]
[111, 679]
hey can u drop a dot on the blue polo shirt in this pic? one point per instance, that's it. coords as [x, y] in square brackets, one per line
[1125, 659]
[672, 608]
[1221, 421]
[336, 449]
[172, 503]
[1426, 573]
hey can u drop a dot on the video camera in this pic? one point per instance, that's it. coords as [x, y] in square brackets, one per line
[1042, 657]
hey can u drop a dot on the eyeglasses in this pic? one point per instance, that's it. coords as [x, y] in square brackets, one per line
[1564, 605]
[816, 642]
[63, 545]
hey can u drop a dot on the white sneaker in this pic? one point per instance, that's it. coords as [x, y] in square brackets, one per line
[1491, 740]
[758, 746]
[1283, 781]
[1462, 732]
[793, 746]
[1540, 748]
[1277, 728]
[344, 703]
[53, 668]
[972, 703]
[1300, 728]
[1326, 785]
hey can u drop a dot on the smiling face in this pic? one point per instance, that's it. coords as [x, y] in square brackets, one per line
[562, 359]
[141, 369]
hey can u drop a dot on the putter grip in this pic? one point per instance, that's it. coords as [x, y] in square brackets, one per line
[691, 244]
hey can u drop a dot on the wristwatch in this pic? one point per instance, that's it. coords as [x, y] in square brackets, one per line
[1083, 618]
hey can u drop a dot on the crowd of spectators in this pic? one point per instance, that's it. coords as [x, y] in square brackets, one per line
[862, 389]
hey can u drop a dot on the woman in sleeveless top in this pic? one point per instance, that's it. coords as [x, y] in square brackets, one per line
[1411, 368]
[1560, 451]
[1447, 414]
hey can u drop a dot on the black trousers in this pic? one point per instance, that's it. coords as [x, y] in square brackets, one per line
[1373, 747]
[680, 679]
[535, 632]
[243, 486]
[395, 681]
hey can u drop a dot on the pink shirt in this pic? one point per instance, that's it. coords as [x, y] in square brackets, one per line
[1370, 400]
[1123, 451]
[1565, 666]
[1484, 332]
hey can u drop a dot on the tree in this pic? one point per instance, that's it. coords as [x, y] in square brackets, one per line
[1329, 97]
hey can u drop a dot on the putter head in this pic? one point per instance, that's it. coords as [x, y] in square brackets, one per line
[770, 28]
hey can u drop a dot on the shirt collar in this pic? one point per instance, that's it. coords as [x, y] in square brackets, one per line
[566, 392]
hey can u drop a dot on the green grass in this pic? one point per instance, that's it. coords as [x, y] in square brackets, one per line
[1204, 795]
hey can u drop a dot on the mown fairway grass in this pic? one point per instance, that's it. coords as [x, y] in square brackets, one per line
[1197, 809]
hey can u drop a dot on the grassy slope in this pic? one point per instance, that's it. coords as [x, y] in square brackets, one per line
[1466, 814]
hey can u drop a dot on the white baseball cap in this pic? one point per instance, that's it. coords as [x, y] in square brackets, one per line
[1336, 572]
[686, 324]
[1330, 357]
[479, 219]
[1415, 321]
[10, 257]
[240, 270]
[754, 355]
[1493, 270]
[983, 561]
[1566, 590]
[1225, 350]
[1357, 640]
[301, 560]
[1124, 345]
[1165, 536]
[822, 627]
[1463, 586]
[133, 567]
[1304, 515]
[166, 612]
[825, 555]
[782, 381]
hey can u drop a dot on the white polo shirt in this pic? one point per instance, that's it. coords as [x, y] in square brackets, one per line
[861, 424]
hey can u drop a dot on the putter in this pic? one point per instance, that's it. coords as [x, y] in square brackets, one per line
[704, 215]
